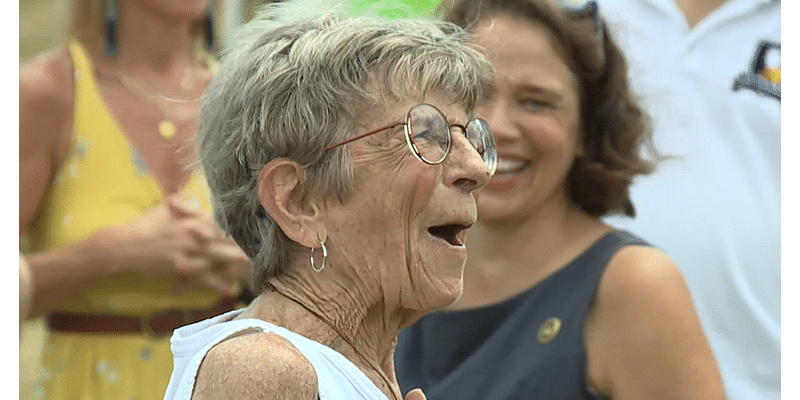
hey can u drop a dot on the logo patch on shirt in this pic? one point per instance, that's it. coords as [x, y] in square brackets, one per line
[764, 76]
[549, 329]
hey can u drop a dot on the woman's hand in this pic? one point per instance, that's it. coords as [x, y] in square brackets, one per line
[177, 240]
[171, 240]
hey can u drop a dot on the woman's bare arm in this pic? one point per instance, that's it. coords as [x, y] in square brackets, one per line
[45, 125]
[255, 366]
[644, 339]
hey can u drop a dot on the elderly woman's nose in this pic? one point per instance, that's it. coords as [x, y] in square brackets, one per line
[465, 166]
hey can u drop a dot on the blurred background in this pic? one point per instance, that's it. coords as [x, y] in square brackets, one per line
[43, 23]
[43, 26]
[34, 17]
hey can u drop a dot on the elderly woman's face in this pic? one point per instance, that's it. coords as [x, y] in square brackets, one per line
[533, 111]
[403, 229]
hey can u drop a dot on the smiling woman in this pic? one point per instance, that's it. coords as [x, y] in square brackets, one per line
[342, 155]
[557, 304]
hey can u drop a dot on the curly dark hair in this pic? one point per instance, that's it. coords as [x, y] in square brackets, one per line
[614, 126]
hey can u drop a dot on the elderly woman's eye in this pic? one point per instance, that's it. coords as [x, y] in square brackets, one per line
[424, 134]
[389, 138]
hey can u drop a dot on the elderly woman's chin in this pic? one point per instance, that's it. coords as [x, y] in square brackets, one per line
[446, 293]
[432, 296]
[442, 283]
[450, 291]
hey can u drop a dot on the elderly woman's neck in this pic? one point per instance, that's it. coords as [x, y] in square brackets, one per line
[356, 325]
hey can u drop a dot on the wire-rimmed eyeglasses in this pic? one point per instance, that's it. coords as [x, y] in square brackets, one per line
[428, 135]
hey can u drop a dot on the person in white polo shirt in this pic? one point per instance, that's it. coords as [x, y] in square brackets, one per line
[708, 73]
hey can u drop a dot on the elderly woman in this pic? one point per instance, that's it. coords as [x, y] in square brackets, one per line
[557, 304]
[342, 156]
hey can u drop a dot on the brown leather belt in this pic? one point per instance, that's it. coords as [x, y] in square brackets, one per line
[153, 325]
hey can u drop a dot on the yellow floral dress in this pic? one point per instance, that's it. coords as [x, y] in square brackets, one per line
[105, 182]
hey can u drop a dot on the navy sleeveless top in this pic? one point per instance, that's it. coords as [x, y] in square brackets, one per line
[530, 346]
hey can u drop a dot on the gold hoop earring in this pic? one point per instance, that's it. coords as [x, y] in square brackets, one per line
[324, 257]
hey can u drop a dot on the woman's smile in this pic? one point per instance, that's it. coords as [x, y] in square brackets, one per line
[511, 171]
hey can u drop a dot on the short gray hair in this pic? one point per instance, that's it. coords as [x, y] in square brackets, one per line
[290, 89]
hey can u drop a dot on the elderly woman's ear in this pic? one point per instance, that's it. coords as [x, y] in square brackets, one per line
[279, 186]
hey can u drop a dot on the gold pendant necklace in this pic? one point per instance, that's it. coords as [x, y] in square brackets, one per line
[166, 127]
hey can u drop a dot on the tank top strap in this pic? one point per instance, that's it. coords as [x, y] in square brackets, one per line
[587, 270]
[338, 378]
[600, 254]
[87, 93]
[80, 59]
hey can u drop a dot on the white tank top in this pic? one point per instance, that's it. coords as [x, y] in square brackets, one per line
[337, 377]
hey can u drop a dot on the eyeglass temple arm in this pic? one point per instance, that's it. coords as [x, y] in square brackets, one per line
[363, 135]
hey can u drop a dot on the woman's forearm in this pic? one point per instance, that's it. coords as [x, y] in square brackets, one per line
[61, 273]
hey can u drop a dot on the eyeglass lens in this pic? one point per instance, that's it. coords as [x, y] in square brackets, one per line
[429, 135]
[482, 139]
[428, 132]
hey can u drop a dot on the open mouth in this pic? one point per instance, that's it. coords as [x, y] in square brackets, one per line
[453, 234]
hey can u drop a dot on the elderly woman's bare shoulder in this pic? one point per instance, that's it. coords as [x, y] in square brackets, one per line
[255, 366]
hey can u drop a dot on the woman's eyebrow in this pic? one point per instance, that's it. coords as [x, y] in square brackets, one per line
[538, 90]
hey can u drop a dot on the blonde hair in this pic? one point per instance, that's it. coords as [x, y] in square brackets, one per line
[87, 22]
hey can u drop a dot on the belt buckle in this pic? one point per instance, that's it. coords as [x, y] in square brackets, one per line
[145, 322]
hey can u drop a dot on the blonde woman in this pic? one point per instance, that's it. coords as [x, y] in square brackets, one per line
[122, 248]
